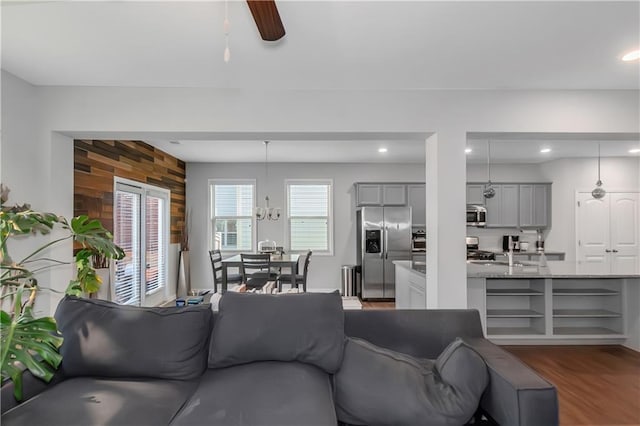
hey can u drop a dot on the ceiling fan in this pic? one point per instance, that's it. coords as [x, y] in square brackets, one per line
[265, 13]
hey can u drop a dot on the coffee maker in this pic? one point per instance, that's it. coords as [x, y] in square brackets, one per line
[511, 242]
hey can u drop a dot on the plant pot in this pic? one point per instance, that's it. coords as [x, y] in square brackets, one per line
[184, 276]
[104, 292]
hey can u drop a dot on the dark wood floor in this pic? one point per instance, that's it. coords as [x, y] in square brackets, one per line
[378, 305]
[597, 385]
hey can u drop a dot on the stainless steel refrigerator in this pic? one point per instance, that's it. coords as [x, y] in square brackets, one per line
[384, 235]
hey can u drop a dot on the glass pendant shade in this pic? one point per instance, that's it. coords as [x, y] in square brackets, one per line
[598, 192]
[489, 190]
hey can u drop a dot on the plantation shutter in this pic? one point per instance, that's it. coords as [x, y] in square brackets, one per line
[309, 221]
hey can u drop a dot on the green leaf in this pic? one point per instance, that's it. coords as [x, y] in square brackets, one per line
[22, 339]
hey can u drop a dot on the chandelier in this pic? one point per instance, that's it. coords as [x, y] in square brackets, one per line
[266, 212]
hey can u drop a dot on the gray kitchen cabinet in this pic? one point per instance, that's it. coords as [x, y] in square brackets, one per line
[394, 195]
[382, 194]
[475, 194]
[369, 194]
[418, 202]
[534, 205]
[502, 209]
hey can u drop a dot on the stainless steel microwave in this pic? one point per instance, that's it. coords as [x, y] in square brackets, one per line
[476, 215]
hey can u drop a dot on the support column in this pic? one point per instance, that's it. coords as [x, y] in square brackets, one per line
[446, 220]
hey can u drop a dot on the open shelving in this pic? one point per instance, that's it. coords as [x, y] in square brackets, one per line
[587, 307]
[515, 307]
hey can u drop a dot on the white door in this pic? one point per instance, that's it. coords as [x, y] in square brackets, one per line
[608, 232]
[624, 245]
[592, 232]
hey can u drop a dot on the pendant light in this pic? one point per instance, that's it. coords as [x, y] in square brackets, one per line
[489, 191]
[266, 212]
[598, 192]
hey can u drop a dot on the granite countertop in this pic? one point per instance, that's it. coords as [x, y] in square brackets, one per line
[419, 268]
[554, 269]
[528, 252]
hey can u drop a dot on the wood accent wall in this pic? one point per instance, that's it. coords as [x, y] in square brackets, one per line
[97, 162]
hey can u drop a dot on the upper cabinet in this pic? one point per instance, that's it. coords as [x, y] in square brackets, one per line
[394, 195]
[534, 205]
[418, 201]
[475, 194]
[381, 194]
[368, 194]
[502, 209]
[523, 205]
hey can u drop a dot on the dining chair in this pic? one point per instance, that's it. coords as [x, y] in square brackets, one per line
[300, 279]
[216, 266]
[256, 269]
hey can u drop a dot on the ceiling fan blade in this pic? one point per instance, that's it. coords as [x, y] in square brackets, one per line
[265, 13]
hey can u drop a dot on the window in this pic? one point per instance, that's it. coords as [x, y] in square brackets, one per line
[141, 229]
[232, 215]
[309, 213]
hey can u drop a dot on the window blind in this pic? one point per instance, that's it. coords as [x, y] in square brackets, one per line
[155, 244]
[233, 216]
[309, 218]
[127, 236]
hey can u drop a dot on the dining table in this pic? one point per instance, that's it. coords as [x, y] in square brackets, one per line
[277, 261]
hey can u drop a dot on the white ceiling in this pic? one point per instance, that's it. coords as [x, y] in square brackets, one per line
[332, 44]
[329, 44]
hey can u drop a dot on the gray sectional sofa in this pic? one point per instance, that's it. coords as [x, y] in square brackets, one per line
[278, 360]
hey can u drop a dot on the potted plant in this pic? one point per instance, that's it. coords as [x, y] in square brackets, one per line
[28, 342]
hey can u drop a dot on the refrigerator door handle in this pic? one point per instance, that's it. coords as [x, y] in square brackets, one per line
[383, 243]
[386, 242]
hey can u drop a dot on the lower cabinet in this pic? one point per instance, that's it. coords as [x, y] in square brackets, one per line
[554, 308]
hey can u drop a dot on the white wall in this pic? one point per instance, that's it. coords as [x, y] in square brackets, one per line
[324, 271]
[571, 175]
[192, 112]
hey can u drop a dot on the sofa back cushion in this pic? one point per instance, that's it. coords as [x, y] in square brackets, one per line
[104, 339]
[305, 327]
[387, 388]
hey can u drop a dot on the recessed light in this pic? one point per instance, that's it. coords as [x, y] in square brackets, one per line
[545, 150]
[634, 55]
[382, 150]
[468, 151]
[175, 142]
[634, 151]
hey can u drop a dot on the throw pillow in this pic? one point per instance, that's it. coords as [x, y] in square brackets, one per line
[105, 339]
[305, 327]
[377, 386]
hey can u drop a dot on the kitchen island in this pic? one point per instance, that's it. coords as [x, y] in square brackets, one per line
[561, 302]
[411, 284]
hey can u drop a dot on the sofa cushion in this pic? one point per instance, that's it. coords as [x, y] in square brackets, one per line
[86, 401]
[383, 387]
[261, 393]
[305, 327]
[104, 339]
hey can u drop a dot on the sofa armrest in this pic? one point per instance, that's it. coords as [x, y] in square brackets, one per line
[31, 386]
[516, 394]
